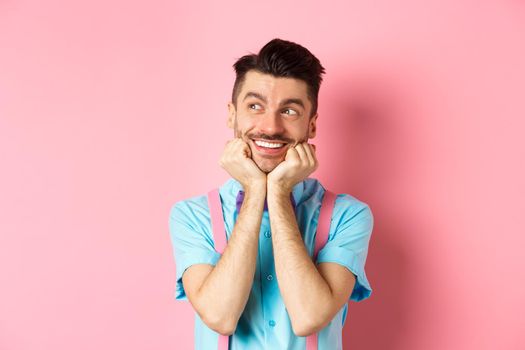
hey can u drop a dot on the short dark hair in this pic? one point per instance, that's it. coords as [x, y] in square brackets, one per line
[282, 58]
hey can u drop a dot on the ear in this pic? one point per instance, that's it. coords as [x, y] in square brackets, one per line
[231, 115]
[312, 128]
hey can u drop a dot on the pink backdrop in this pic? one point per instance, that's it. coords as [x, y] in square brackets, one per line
[110, 111]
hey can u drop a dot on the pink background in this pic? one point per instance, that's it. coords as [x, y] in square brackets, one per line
[110, 111]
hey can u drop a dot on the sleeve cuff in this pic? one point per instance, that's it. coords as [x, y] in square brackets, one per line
[350, 260]
[210, 259]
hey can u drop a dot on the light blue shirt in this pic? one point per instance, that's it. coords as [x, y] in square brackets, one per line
[264, 323]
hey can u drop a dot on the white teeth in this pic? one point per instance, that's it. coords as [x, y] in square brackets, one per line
[268, 144]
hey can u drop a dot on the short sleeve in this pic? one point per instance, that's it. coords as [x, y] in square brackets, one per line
[191, 238]
[348, 240]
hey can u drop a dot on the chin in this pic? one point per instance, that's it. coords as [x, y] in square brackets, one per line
[267, 166]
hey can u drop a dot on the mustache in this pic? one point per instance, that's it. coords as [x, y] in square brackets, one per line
[276, 137]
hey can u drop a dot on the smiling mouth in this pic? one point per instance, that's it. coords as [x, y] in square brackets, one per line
[267, 144]
[269, 148]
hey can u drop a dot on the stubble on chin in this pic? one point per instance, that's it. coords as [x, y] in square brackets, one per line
[265, 165]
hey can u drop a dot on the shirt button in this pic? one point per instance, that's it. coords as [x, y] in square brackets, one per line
[272, 323]
[269, 277]
[267, 234]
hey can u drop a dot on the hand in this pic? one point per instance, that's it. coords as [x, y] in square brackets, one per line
[300, 161]
[237, 160]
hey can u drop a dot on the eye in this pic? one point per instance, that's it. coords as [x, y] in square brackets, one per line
[251, 105]
[290, 111]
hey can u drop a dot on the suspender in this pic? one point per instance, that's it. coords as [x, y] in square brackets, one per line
[219, 238]
[217, 221]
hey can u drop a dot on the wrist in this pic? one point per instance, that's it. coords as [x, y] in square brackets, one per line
[255, 187]
[277, 189]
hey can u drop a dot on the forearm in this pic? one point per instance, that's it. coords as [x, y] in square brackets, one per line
[226, 289]
[305, 293]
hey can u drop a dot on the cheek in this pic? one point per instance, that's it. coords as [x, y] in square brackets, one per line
[299, 133]
[245, 124]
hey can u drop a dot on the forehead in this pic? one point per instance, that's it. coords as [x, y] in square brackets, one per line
[274, 88]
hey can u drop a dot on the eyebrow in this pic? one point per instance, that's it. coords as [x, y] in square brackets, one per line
[296, 101]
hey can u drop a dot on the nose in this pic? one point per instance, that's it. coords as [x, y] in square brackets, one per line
[271, 124]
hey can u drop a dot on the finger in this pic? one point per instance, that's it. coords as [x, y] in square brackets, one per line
[241, 143]
[237, 144]
[246, 149]
[240, 149]
[302, 153]
[291, 154]
[311, 154]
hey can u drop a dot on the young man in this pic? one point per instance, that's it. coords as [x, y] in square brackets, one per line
[265, 291]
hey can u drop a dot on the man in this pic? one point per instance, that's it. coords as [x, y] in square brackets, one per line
[265, 291]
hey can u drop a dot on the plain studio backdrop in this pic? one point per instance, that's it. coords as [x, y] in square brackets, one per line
[111, 111]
